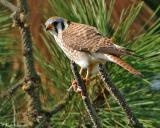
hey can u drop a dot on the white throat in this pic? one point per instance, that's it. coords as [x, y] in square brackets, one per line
[59, 40]
[59, 29]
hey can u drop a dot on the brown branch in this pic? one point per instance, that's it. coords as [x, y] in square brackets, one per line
[32, 80]
[13, 89]
[89, 107]
[119, 97]
[9, 5]
[45, 118]
[57, 108]
[62, 104]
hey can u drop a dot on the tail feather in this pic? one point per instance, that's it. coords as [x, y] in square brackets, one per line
[123, 64]
[125, 51]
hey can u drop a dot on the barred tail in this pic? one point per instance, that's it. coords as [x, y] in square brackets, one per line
[123, 64]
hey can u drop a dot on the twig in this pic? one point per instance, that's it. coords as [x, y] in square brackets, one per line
[119, 97]
[13, 89]
[14, 112]
[9, 5]
[58, 107]
[62, 104]
[89, 107]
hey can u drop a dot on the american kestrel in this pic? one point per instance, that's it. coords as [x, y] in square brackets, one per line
[84, 45]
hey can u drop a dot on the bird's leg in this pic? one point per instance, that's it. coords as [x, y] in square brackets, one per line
[81, 71]
[89, 70]
[75, 87]
[86, 79]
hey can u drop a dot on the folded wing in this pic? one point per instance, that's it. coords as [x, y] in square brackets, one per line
[86, 38]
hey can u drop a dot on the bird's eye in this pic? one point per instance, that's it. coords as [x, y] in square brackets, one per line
[55, 24]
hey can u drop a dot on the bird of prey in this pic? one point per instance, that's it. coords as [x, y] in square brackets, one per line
[84, 45]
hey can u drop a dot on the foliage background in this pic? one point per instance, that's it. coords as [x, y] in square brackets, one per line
[133, 25]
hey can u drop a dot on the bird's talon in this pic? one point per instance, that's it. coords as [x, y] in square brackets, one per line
[79, 90]
[75, 87]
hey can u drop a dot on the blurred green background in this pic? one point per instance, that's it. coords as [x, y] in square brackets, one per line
[135, 25]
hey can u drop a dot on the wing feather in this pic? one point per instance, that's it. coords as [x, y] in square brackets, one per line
[86, 38]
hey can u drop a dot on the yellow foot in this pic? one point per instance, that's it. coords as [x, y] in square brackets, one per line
[75, 86]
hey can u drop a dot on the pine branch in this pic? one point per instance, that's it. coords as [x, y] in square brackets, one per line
[62, 104]
[9, 5]
[13, 89]
[119, 97]
[32, 80]
[89, 107]
[57, 108]
[31, 77]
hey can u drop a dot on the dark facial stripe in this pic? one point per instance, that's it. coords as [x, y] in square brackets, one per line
[55, 25]
[62, 24]
[68, 22]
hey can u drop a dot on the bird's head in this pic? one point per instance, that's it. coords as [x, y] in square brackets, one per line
[56, 24]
